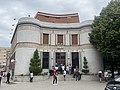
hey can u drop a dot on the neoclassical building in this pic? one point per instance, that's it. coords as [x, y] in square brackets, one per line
[59, 38]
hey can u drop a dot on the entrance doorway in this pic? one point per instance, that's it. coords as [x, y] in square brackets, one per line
[45, 62]
[60, 58]
[75, 59]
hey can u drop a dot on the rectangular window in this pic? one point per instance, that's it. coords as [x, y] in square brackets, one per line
[60, 39]
[74, 39]
[45, 63]
[45, 38]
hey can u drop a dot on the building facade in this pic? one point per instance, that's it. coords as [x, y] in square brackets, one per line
[60, 39]
[4, 54]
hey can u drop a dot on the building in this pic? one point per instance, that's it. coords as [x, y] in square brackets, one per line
[59, 38]
[4, 54]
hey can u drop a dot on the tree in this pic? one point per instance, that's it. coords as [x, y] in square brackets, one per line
[85, 69]
[35, 64]
[105, 35]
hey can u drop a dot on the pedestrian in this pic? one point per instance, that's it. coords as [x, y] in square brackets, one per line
[0, 78]
[100, 75]
[64, 75]
[55, 77]
[48, 74]
[77, 74]
[8, 77]
[67, 69]
[31, 76]
[70, 69]
[63, 68]
[106, 75]
[80, 74]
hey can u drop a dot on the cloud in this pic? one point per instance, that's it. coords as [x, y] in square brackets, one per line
[9, 10]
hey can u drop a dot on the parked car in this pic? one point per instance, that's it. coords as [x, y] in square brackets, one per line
[113, 84]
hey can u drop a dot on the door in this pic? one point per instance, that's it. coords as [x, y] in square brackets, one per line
[60, 58]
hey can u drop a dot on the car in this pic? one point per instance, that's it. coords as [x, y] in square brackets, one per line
[113, 84]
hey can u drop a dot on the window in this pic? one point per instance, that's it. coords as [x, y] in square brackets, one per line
[45, 38]
[60, 39]
[45, 63]
[74, 39]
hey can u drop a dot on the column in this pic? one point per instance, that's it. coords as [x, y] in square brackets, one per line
[41, 38]
[52, 59]
[80, 61]
[53, 39]
[67, 39]
[69, 58]
[66, 55]
[41, 57]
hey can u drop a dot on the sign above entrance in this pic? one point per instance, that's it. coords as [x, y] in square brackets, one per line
[60, 47]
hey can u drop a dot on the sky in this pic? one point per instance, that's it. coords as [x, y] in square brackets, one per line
[15, 9]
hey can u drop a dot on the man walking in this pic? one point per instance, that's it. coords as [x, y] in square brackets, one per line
[31, 76]
[64, 75]
[8, 77]
[100, 75]
[0, 78]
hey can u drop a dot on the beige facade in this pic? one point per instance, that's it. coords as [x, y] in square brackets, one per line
[57, 43]
[4, 54]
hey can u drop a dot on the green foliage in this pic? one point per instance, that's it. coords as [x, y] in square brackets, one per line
[35, 64]
[105, 35]
[85, 69]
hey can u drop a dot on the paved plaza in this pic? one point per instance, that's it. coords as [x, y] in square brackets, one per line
[62, 85]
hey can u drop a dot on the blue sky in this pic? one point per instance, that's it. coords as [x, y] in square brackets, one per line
[10, 9]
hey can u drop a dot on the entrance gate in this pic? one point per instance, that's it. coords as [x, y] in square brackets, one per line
[60, 58]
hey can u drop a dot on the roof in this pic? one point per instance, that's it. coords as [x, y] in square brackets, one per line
[54, 25]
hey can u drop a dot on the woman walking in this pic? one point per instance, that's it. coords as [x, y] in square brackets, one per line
[55, 77]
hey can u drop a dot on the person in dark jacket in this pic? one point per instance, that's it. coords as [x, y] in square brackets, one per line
[0, 77]
[8, 77]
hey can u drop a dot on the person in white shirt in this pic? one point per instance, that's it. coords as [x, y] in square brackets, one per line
[106, 75]
[64, 75]
[63, 68]
[100, 75]
[67, 69]
[31, 77]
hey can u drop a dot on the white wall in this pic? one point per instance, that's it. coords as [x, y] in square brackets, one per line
[23, 56]
[28, 36]
[84, 38]
[94, 60]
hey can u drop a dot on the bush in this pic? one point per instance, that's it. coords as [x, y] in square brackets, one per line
[35, 64]
[85, 69]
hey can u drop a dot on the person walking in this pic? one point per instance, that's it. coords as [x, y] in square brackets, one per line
[77, 74]
[106, 75]
[31, 76]
[100, 75]
[55, 77]
[67, 69]
[0, 78]
[8, 77]
[70, 69]
[63, 68]
[64, 75]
